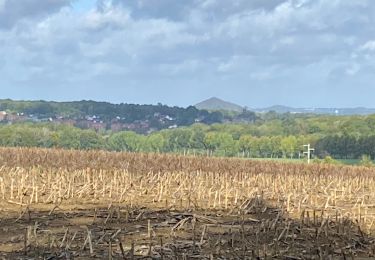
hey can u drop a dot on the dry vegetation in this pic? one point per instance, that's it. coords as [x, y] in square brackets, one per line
[59, 204]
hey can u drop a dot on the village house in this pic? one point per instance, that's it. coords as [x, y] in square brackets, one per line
[116, 127]
[65, 121]
[3, 115]
[14, 118]
[98, 126]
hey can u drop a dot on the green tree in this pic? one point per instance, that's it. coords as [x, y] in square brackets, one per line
[155, 142]
[289, 146]
[265, 146]
[222, 143]
[211, 141]
[275, 146]
[366, 161]
[125, 141]
[197, 137]
[69, 138]
[178, 139]
[245, 145]
[89, 139]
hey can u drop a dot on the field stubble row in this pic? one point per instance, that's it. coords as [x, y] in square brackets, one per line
[312, 194]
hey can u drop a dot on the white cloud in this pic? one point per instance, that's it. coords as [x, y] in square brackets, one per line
[2, 5]
[353, 69]
[287, 40]
[138, 42]
[14, 11]
[368, 46]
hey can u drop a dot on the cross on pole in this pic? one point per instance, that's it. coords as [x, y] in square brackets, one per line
[308, 153]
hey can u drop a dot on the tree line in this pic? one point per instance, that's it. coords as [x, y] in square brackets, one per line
[197, 139]
[346, 146]
[153, 117]
[125, 113]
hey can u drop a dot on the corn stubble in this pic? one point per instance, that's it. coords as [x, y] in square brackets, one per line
[96, 204]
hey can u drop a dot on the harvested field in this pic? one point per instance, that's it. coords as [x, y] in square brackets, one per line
[58, 204]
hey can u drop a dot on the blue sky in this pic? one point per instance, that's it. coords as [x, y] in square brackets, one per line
[83, 5]
[310, 53]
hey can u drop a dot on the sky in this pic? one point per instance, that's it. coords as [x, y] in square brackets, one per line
[257, 53]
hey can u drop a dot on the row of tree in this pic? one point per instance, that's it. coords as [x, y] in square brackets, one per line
[125, 113]
[198, 138]
[346, 146]
[245, 122]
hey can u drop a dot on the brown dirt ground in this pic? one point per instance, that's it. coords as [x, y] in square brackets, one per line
[119, 232]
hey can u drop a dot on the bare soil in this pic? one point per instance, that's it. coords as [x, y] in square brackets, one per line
[257, 231]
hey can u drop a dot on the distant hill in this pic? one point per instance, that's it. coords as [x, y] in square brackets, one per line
[105, 115]
[327, 111]
[218, 104]
[277, 108]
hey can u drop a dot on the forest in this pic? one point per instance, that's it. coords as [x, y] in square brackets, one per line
[270, 136]
[108, 113]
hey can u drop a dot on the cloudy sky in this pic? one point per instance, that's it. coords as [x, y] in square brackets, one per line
[318, 53]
